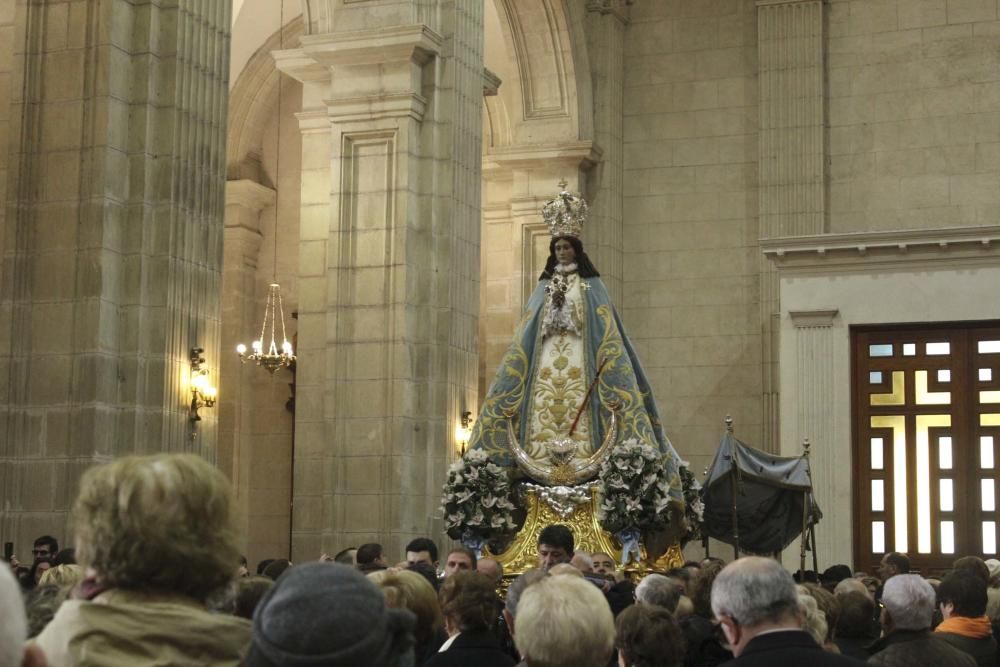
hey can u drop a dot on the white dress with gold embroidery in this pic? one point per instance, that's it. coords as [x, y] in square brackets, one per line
[561, 375]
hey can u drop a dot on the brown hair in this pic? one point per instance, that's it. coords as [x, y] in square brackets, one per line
[468, 600]
[701, 589]
[648, 636]
[157, 523]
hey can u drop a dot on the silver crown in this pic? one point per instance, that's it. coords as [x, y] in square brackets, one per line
[566, 214]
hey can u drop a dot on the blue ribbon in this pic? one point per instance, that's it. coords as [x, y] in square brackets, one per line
[474, 542]
[630, 544]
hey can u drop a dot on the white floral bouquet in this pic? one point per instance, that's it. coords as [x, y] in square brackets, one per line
[476, 499]
[636, 489]
[694, 506]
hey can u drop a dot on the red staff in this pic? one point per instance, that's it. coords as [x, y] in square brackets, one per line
[586, 398]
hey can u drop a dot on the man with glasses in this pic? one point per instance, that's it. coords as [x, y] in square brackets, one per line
[45, 548]
[757, 606]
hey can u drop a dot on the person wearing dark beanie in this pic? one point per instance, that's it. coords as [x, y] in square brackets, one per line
[329, 614]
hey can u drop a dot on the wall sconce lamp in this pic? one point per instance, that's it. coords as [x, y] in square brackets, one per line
[203, 392]
[463, 431]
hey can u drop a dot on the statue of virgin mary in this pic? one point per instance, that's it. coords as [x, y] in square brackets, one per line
[570, 386]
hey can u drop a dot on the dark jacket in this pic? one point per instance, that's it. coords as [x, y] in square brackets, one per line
[703, 646]
[479, 648]
[904, 648]
[854, 647]
[983, 651]
[788, 647]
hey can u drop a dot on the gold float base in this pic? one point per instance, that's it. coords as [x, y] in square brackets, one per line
[522, 554]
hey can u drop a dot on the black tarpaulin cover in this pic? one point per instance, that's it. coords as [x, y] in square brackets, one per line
[770, 491]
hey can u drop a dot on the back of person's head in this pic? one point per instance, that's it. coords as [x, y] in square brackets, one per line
[659, 591]
[345, 556]
[14, 625]
[857, 610]
[993, 566]
[65, 557]
[851, 585]
[41, 604]
[404, 589]
[423, 544]
[557, 535]
[159, 522]
[276, 568]
[468, 601]
[368, 553]
[582, 561]
[262, 565]
[14, 628]
[565, 570]
[973, 565]
[517, 588]
[700, 589]
[754, 590]
[648, 636]
[428, 572]
[328, 614]
[834, 574]
[813, 620]
[827, 605]
[909, 601]
[564, 622]
[63, 576]
[965, 591]
[247, 594]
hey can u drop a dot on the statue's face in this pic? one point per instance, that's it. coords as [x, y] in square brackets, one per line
[564, 251]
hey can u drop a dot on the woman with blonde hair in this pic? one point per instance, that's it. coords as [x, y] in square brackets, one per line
[156, 535]
[408, 590]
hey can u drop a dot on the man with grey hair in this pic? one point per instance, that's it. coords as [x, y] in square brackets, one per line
[906, 627]
[658, 591]
[756, 603]
[14, 626]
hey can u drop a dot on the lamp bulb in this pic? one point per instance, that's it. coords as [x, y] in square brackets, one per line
[241, 349]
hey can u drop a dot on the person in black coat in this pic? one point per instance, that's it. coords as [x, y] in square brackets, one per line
[468, 605]
[756, 603]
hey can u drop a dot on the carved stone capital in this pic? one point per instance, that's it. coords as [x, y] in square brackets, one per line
[617, 8]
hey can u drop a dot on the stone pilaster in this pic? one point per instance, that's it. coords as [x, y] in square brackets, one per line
[816, 379]
[389, 264]
[245, 199]
[606, 23]
[792, 199]
[112, 241]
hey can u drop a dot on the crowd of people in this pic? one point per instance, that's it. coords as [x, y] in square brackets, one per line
[156, 578]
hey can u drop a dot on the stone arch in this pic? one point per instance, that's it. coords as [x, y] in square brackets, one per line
[546, 90]
[252, 102]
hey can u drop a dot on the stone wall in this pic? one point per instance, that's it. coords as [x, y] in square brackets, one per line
[914, 114]
[690, 299]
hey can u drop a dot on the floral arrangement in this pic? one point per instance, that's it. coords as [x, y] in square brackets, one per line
[636, 492]
[476, 499]
[694, 507]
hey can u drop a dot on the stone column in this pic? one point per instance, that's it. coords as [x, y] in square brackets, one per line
[812, 358]
[389, 264]
[792, 198]
[112, 241]
[245, 199]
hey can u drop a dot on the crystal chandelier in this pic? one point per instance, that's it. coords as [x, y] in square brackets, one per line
[273, 357]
